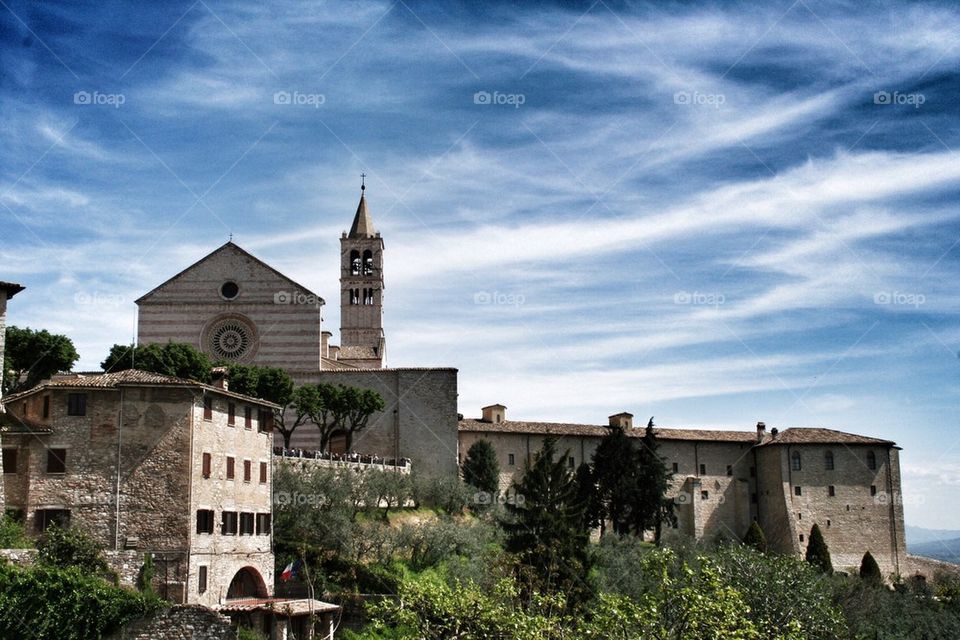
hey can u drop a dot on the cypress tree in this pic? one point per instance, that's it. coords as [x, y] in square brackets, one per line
[587, 496]
[480, 468]
[545, 529]
[755, 538]
[818, 554]
[870, 570]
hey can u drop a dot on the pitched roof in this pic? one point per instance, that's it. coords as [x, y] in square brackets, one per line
[12, 288]
[128, 378]
[241, 251]
[795, 435]
[573, 429]
[362, 224]
[12, 424]
[817, 435]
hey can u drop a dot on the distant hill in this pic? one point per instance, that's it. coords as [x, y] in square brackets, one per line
[940, 544]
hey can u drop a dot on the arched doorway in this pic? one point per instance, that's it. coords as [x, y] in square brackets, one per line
[248, 583]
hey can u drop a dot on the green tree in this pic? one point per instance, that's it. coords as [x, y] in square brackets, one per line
[176, 359]
[652, 508]
[276, 385]
[31, 356]
[480, 468]
[587, 496]
[13, 535]
[145, 577]
[870, 570]
[545, 531]
[338, 410]
[818, 554]
[755, 537]
[66, 547]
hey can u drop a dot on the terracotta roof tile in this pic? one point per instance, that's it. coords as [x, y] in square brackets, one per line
[817, 435]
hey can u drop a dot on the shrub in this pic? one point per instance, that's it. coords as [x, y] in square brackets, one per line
[870, 570]
[13, 535]
[755, 538]
[71, 547]
[818, 554]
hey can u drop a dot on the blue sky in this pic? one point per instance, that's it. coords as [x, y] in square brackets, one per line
[711, 213]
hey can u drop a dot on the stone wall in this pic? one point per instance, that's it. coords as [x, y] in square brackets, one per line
[183, 622]
[19, 557]
[419, 420]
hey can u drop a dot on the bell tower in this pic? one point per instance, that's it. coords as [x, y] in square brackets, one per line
[362, 342]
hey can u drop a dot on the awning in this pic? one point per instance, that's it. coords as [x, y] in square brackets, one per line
[280, 606]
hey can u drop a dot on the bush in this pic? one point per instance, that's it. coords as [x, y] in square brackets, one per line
[50, 603]
[755, 538]
[870, 570]
[818, 554]
[71, 547]
[13, 535]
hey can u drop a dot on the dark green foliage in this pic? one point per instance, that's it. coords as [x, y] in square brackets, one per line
[70, 547]
[31, 356]
[480, 468]
[632, 481]
[337, 410]
[587, 496]
[276, 385]
[12, 534]
[755, 537]
[176, 359]
[870, 570]
[817, 552]
[145, 577]
[545, 530]
[50, 603]
[906, 612]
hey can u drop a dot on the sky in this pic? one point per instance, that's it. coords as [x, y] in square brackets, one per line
[712, 213]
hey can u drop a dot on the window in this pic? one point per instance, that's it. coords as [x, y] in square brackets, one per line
[871, 461]
[228, 523]
[703, 469]
[263, 524]
[729, 469]
[229, 290]
[704, 495]
[797, 491]
[208, 408]
[246, 524]
[799, 516]
[202, 580]
[873, 490]
[204, 521]
[354, 263]
[511, 459]
[801, 537]
[795, 462]
[44, 518]
[9, 460]
[247, 418]
[263, 473]
[828, 524]
[828, 461]
[46, 406]
[56, 460]
[231, 414]
[76, 404]
[368, 263]
[247, 470]
[676, 467]
[230, 468]
[265, 420]
[831, 491]
[570, 462]
[207, 463]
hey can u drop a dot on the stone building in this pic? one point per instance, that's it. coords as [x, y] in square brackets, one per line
[235, 307]
[723, 480]
[150, 463]
[7, 291]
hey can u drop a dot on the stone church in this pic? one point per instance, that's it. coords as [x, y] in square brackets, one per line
[235, 307]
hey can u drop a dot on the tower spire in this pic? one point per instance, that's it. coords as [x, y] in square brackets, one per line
[362, 224]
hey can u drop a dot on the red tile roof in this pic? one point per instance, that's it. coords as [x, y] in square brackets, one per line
[817, 435]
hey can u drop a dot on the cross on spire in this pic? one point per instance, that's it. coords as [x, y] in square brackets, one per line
[363, 178]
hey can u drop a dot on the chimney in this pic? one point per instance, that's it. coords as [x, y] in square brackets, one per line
[622, 420]
[774, 432]
[325, 343]
[334, 351]
[761, 431]
[219, 378]
[495, 413]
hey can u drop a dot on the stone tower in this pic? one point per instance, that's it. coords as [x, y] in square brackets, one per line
[362, 342]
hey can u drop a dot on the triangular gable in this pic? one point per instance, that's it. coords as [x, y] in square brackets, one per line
[231, 247]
